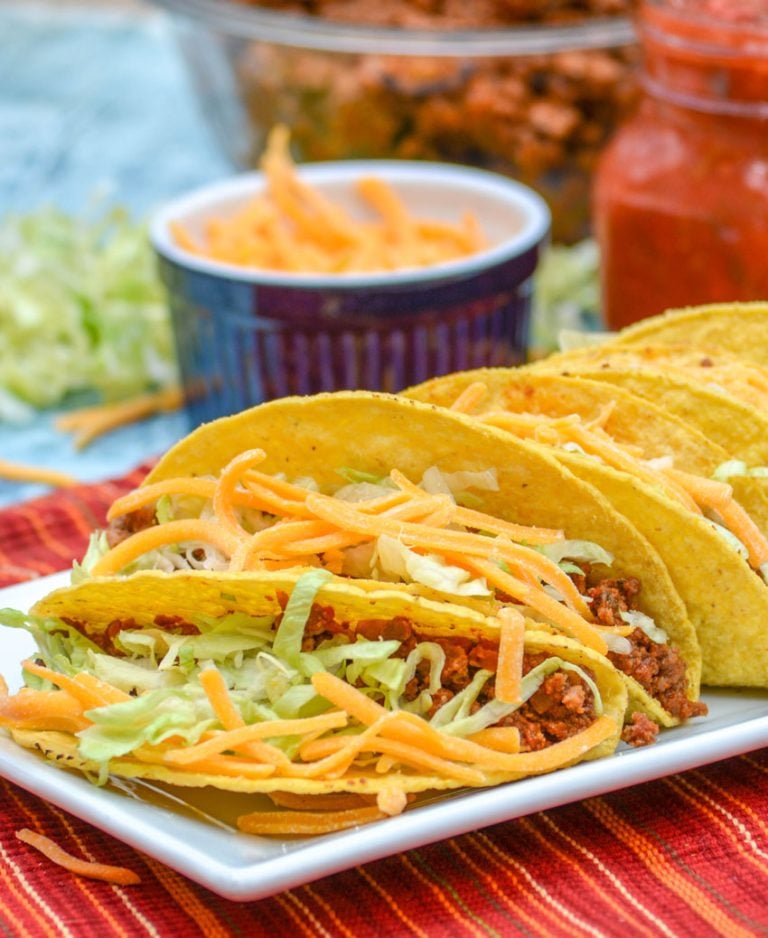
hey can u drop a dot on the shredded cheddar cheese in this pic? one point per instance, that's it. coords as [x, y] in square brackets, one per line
[290, 226]
[118, 875]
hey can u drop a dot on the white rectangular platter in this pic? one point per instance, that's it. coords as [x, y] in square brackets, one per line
[193, 832]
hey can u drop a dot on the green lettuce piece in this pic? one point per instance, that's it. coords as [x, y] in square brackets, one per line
[737, 467]
[290, 633]
[575, 550]
[61, 647]
[149, 719]
[82, 309]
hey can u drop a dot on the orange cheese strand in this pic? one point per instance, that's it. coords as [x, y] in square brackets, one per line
[217, 692]
[19, 472]
[111, 874]
[163, 535]
[149, 494]
[306, 823]
[718, 496]
[509, 675]
[561, 616]
[223, 497]
[229, 716]
[516, 532]
[501, 738]
[43, 710]
[233, 739]
[90, 691]
[402, 753]
[472, 395]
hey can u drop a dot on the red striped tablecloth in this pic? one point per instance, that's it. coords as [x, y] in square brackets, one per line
[684, 856]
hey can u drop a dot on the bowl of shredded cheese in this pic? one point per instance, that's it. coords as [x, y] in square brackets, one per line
[350, 274]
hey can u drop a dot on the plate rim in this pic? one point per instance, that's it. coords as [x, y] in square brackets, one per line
[304, 860]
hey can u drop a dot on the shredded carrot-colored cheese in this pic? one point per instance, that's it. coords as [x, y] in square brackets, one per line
[118, 875]
[509, 675]
[298, 823]
[20, 472]
[291, 226]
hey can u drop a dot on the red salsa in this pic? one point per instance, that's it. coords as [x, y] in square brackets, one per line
[681, 194]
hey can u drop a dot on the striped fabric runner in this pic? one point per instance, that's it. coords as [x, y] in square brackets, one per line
[684, 856]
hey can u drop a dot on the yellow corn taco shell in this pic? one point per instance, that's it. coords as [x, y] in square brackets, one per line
[736, 426]
[374, 434]
[723, 596]
[738, 328]
[632, 421]
[712, 368]
[330, 743]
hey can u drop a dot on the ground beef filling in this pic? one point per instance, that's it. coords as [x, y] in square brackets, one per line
[105, 638]
[561, 707]
[661, 671]
[658, 668]
[124, 526]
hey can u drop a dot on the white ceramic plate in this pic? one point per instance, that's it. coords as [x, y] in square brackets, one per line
[193, 833]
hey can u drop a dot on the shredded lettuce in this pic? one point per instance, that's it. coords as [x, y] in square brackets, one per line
[566, 296]
[396, 561]
[640, 620]
[578, 551]
[356, 476]
[436, 481]
[98, 546]
[737, 467]
[289, 636]
[150, 718]
[81, 309]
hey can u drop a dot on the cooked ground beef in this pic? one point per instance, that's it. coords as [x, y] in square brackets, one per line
[640, 731]
[657, 667]
[609, 598]
[662, 672]
[562, 706]
[105, 638]
[124, 525]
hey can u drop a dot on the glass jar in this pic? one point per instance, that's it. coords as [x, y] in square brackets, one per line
[533, 100]
[681, 193]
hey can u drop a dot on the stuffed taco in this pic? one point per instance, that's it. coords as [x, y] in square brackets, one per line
[305, 686]
[738, 328]
[716, 369]
[736, 426]
[716, 554]
[645, 431]
[437, 503]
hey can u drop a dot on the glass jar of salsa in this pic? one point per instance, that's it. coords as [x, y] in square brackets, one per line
[681, 193]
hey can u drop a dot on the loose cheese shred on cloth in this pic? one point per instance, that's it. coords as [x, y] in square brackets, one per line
[118, 875]
[88, 423]
[21, 472]
[291, 226]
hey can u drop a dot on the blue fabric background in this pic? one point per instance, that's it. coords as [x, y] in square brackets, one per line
[94, 109]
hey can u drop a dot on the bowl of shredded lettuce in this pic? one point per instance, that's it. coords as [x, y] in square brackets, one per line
[82, 311]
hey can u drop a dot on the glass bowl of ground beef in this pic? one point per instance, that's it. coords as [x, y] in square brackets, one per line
[531, 89]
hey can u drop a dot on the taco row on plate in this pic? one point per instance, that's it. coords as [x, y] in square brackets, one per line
[675, 435]
[426, 512]
[304, 684]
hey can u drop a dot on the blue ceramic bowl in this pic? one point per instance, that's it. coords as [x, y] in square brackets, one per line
[245, 335]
